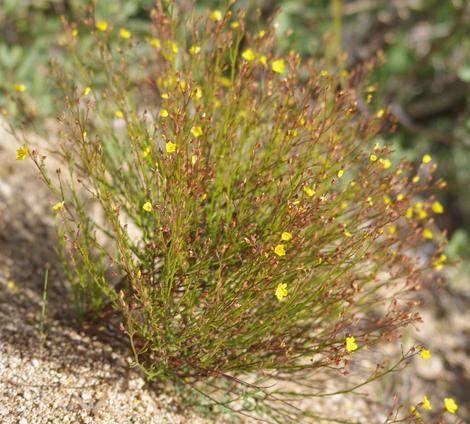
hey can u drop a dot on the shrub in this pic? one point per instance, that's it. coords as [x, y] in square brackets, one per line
[231, 205]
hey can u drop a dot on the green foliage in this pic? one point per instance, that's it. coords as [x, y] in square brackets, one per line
[244, 225]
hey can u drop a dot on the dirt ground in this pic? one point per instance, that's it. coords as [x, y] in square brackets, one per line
[75, 377]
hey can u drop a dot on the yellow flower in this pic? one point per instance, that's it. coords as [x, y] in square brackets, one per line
[386, 199]
[216, 15]
[351, 344]
[147, 207]
[154, 42]
[193, 159]
[165, 96]
[21, 152]
[279, 250]
[414, 411]
[262, 59]
[147, 151]
[415, 179]
[12, 285]
[427, 234]
[409, 213]
[425, 353]
[58, 206]
[234, 25]
[101, 25]
[437, 263]
[261, 34]
[163, 113]
[173, 47]
[437, 207]
[197, 92]
[125, 33]
[19, 87]
[118, 114]
[426, 158]
[196, 131]
[385, 163]
[86, 91]
[286, 236]
[194, 50]
[450, 405]
[347, 233]
[422, 214]
[373, 157]
[426, 404]
[380, 113]
[248, 55]
[281, 291]
[391, 229]
[279, 66]
[340, 173]
[225, 82]
[309, 191]
[170, 147]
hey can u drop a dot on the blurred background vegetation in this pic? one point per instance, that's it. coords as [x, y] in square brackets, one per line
[424, 81]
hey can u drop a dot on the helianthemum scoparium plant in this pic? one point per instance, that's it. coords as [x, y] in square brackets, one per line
[232, 205]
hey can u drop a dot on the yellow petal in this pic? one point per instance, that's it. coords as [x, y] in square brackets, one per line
[19, 87]
[281, 291]
[147, 207]
[194, 50]
[286, 236]
[280, 250]
[450, 405]
[196, 131]
[426, 404]
[216, 15]
[427, 234]
[58, 206]
[279, 66]
[125, 33]
[425, 353]
[170, 147]
[21, 152]
[309, 191]
[426, 158]
[437, 207]
[248, 55]
[385, 163]
[351, 344]
[154, 42]
[101, 25]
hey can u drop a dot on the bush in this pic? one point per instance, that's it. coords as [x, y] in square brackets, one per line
[231, 205]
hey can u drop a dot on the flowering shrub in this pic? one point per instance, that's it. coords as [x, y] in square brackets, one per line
[232, 206]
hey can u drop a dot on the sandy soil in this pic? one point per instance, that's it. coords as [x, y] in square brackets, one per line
[78, 378]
